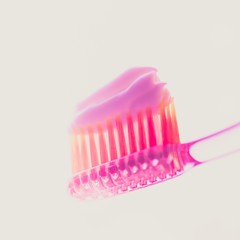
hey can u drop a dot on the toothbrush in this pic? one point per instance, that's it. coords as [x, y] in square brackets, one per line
[125, 137]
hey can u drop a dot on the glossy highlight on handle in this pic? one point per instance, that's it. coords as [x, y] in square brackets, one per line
[217, 145]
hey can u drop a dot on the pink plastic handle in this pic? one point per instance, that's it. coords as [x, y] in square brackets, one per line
[217, 145]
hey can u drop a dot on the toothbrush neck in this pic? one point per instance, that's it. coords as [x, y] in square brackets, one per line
[217, 145]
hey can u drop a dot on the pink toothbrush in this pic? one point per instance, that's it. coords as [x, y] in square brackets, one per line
[125, 137]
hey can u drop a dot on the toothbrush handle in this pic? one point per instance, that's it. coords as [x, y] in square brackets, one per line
[217, 145]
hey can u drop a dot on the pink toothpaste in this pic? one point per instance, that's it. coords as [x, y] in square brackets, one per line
[125, 137]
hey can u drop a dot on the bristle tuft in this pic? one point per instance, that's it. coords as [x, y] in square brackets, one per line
[102, 145]
[121, 137]
[93, 148]
[111, 139]
[131, 134]
[174, 123]
[151, 128]
[141, 131]
[164, 126]
[75, 154]
[83, 153]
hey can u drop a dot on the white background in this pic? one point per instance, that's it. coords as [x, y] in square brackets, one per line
[53, 54]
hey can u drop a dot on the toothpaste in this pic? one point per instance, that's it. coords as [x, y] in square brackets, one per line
[134, 90]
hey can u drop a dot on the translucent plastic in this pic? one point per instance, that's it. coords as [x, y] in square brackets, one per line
[217, 145]
[132, 172]
[153, 165]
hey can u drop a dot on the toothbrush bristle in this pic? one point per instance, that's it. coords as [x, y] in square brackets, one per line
[131, 134]
[164, 125]
[111, 139]
[121, 137]
[75, 154]
[122, 154]
[142, 137]
[175, 125]
[84, 160]
[102, 145]
[151, 130]
[93, 148]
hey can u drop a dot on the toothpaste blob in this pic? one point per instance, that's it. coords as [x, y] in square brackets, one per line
[135, 89]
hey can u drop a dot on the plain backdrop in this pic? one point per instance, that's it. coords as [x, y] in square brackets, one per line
[53, 54]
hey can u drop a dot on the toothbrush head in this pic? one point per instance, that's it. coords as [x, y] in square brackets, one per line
[125, 137]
